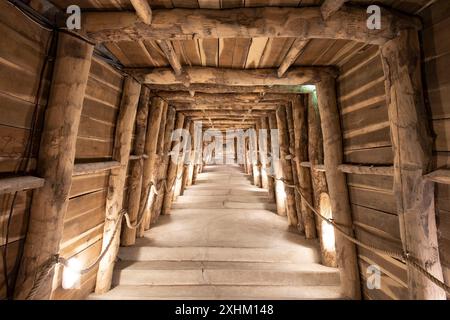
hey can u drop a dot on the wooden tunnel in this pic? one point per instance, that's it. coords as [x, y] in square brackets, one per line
[88, 117]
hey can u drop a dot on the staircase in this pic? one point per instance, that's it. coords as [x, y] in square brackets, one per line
[222, 240]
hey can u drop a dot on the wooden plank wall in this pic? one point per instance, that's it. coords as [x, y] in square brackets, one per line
[366, 132]
[83, 224]
[436, 59]
[23, 49]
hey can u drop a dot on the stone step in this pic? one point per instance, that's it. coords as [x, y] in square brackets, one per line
[210, 292]
[193, 198]
[191, 191]
[223, 273]
[142, 252]
[224, 205]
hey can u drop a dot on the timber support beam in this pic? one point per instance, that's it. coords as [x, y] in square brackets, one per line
[304, 23]
[56, 163]
[412, 144]
[117, 180]
[337, 186]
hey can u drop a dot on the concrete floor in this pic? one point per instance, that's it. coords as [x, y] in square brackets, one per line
[222, 240]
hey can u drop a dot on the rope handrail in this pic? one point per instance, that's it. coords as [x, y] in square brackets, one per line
[405, 256]
[55, 259]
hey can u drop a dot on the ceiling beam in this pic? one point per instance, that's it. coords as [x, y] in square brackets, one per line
[234, 77]
[213, 88]
[304, 23]
[171, 56]
[222, 113]
[243, 107]
[201, 97]
[143, 10]
[330, 7]
[296, 49]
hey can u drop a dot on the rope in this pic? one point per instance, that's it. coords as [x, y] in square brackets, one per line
[45, 269]
[405, 256]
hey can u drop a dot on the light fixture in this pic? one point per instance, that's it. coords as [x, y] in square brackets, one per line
[71, 274]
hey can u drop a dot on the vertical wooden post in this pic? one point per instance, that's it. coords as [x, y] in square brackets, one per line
[135, 188]
[262, 146]
[292, 163]
[190, 172]
[197, 150]
[337, 185]
[269, 166]
[319, 182]
[285, 165]
[117, 178]
[301, 154]
[181, 170]
[280, 195]
[412, 145]
[154, 120]
[163, 165]
[156, 174]
[253, 149]
[172, 171]
[56, 161]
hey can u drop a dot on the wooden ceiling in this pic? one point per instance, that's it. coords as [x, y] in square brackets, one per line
[238, 53]
[235, 53]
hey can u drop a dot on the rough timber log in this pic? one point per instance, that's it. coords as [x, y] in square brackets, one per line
[330, 7]
[190, 173]
[219, 89]
[225, 107]
[231, 77]
[169, 52]
[301, 154]
[181, 165]
[412, 144]
[269, 164]
[280, 197]
[337, 185]
[262, 143]
[222, 113]
[286, 166]
[296, 49]
[128, 237]
[56, 162]
[143, 10]
[298, 199]
[228, 98]
[257, 179]
[172, 170]
[271, 22]
[117, 179]
[158, 173]
[164, 164]
[154, 120]
[318, 179]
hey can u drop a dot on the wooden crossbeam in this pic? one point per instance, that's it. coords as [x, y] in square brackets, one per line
[232, 77]
[245, 107]
[169, 52]
[296, 49]
[143, 10]
[330, 7]
[10, 185]
[369, 170]
[440, 176]
[219, 89]
[94, 167]
[202, 97]
[304, 23]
